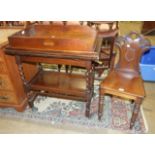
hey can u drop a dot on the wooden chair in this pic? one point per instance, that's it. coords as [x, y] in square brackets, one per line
[107, 53]
[107, 31]
[124, 80]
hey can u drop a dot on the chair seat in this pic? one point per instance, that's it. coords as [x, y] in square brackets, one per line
[116, 83]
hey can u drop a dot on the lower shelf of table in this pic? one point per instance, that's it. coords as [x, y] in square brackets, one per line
[60, 83]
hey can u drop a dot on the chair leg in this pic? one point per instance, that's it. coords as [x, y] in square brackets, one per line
[59, 68]
[100, 71]
[112, 61]
[31, 97]
[87, 111]
[136, 109]
[67, 68]
[100, 105]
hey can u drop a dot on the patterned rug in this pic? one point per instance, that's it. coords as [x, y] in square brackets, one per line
[54, 111]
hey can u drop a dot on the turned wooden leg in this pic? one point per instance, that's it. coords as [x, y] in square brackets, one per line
[31, 97]
[89, 23]
[112, 61]
[89, 78]
[100, 105]
[87, 112]
[81, 22]
[21, 72]
[39, 66]
[71, 69]
[135, 111]
[100, 71]
[93, 78]
[97, 27]
[112, 54]
[64, 22]
[66, 68]
[59, 67]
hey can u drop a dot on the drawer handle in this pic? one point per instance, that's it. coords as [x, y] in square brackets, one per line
[4, 97]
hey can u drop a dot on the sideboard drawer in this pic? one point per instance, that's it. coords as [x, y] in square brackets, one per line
[8, 97]
[5, 82]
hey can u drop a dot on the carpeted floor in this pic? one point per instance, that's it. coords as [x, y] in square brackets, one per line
[60, 112]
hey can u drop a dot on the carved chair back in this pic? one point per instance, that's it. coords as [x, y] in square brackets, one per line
[131, 48]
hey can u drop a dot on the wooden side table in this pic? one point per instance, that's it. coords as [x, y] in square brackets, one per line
[57, 44]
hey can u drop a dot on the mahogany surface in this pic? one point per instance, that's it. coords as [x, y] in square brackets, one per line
[132, 86]
[124, 80]
[12, 93]
[69, 40]
[56, 44]
[62, 83]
